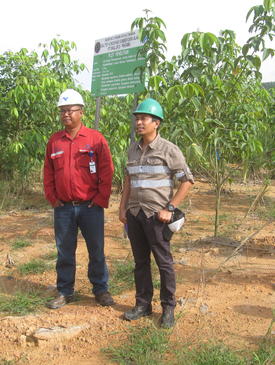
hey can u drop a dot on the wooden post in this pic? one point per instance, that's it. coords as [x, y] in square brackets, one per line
[133, 125]
[97, 112]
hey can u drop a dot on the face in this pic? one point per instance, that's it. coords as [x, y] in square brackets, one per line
[71, 115]
[145, 125]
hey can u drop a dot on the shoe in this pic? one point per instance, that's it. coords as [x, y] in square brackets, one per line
[167, 319]
[105, 299]
[137, 312]
[59, 301]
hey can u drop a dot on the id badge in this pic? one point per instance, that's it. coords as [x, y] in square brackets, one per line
[92, 167]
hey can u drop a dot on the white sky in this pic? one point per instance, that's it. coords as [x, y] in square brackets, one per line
[26, 23]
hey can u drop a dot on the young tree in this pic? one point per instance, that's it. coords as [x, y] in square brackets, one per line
[216, 108]
[30, 85]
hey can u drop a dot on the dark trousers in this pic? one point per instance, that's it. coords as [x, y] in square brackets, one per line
[67, 220]
[145, 235]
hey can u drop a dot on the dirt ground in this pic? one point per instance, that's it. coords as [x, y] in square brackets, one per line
[223, 301]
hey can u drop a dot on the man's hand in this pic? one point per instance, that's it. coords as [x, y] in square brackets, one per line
[58, 203]
[122, 215]
[164, 216]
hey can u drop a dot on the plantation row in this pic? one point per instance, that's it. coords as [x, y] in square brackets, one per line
[216, 109]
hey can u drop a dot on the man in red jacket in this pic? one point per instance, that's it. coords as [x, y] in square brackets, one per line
[78, 174]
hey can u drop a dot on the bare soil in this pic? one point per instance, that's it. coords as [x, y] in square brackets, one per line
[229, 301]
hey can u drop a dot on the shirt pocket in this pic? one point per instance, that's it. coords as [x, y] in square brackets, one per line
[157, 166]
[84, 160]
[58, 160]
[155, 161]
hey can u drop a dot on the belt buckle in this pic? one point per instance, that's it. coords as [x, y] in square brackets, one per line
[75, 203]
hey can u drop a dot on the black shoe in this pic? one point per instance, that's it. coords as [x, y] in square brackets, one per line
[59, 301]
[137, 312]
[105, 299]
[167, 319]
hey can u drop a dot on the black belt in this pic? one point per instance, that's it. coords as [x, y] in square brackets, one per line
[76, 203]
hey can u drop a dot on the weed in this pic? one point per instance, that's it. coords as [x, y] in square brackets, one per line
[145, 346]
[20, 244]
[34, 267]
[22, 303]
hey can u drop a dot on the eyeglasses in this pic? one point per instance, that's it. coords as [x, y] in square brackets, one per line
[143, 118]
[69, 111]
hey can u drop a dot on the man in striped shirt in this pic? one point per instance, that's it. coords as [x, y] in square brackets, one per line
[147, 205]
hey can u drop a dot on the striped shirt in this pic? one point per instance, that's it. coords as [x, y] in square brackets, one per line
[152, 172]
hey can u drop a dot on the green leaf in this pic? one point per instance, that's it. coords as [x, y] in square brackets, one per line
[171, 94]
[249, 12]
[197, 150]
[268, 52]
[160, 22]
[211, 38]
[202, 40]
[156, 81]
[268, 4]
[15, 113]
[245, 49]
[184, 40]
[161, 35]
[65, 58]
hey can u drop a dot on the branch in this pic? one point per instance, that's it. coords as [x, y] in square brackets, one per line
[242, 244]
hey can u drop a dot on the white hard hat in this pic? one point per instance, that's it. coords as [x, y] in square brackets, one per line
[176, 226]
[70, 97]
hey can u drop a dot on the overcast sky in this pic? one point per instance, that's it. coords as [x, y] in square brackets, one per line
[26, 23]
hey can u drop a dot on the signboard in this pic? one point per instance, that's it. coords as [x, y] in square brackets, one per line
[115, 60]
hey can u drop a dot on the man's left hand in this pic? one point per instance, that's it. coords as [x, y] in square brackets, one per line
[164, 216]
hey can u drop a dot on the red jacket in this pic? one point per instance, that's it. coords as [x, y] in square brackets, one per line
[79, 168]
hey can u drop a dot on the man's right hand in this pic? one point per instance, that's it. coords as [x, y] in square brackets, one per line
[58, 203]
[122, 215]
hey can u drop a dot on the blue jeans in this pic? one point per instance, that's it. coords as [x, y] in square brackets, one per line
[67, 219]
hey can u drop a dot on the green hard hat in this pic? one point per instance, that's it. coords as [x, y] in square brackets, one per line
[150, 106]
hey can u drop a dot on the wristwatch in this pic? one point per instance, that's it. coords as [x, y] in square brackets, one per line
[170, 207]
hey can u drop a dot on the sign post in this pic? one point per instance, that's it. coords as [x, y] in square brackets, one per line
[115, 65]
[97, 112]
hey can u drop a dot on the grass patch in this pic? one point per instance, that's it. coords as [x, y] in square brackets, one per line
[49, 256]
[209, 354]
[122, 276]
[266, 211]
[155, 275]
[22, 303]
[34, 267]
[145, 346]
[150, 345]
[16, 245]
[265, 355]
